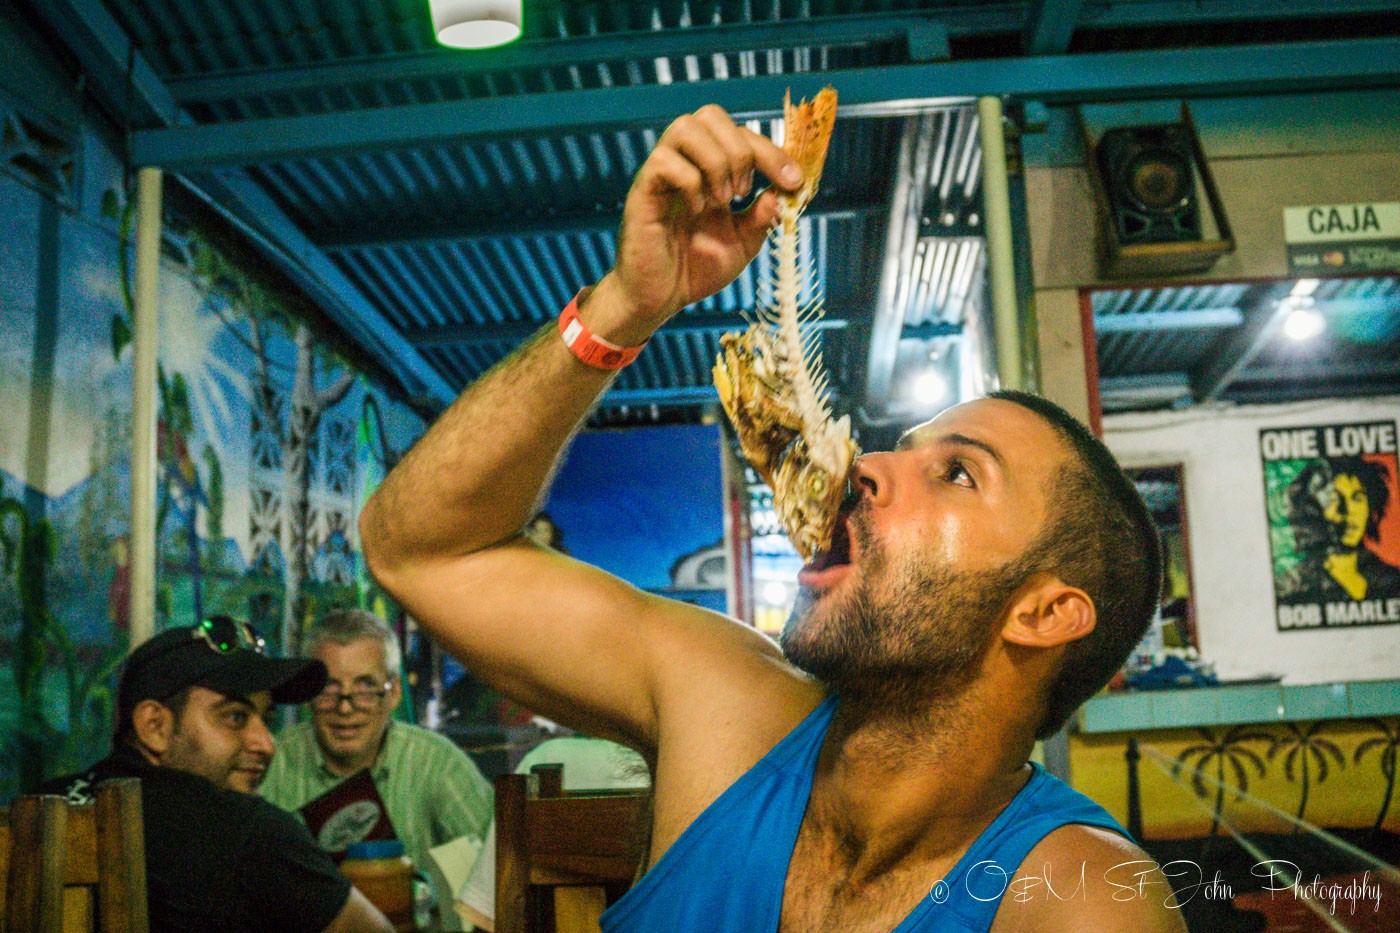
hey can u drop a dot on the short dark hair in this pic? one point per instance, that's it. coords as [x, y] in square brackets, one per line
[1098, 536]
[126, 727]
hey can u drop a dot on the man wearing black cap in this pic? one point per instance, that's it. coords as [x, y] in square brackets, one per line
[191, 708]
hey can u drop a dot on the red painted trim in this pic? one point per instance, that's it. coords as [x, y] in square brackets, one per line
[1091, 360]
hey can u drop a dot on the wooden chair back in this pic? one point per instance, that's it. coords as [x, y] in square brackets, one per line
[75, 867]
[548, 839]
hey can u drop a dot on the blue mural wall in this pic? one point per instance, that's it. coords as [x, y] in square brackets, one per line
[647, 504]
[243, 488]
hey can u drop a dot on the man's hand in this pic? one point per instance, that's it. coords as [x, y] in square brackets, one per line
[680, 242]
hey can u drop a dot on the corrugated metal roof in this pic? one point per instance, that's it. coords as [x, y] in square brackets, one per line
[1185, 331]
[1157, 348]
[464, 246]
[499, 232]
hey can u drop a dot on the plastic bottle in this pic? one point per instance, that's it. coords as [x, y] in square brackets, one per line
[384, 875]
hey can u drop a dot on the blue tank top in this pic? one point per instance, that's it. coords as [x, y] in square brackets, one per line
[727, 870]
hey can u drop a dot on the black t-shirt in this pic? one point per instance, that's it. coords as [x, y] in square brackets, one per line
[218, 861]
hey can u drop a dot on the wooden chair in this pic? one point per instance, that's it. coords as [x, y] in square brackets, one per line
[547, 839]
[75, 867]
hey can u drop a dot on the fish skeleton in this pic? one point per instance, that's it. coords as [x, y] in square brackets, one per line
[770, 378]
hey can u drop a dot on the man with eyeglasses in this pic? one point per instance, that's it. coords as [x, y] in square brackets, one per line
[192, 708]
[432, 791]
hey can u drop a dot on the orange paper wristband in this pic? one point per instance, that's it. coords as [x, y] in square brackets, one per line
[591, 349]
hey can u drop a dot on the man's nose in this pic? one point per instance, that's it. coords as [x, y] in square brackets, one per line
[258, 737]
[873, 478]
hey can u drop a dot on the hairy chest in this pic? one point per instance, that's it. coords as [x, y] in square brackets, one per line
[823, 893]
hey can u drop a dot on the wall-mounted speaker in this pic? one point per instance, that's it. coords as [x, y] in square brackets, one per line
[1149, 177]
[1161, 212]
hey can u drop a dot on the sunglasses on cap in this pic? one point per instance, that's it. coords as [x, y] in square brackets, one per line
[150, 672]
[224, 634]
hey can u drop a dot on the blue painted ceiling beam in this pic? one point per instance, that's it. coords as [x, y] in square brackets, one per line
[103, 48]
[1050, 25]
[375, 235]
[925, 38]
[1167, 73]
[921, 31]
[103, 51]
[1142, 13]
[1167, 320]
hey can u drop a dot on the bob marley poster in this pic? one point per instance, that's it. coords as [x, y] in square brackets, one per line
[1334, 524]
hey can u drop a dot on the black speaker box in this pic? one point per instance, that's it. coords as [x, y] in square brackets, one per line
[1149, 177]
[1160, 210]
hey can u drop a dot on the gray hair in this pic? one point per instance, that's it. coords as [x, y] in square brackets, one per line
[346, 625]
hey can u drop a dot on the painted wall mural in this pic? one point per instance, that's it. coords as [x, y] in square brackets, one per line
[1261, 827]
[647, 504]
[268, 443]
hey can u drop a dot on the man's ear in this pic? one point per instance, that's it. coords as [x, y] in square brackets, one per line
[1049, 612]
[154, 725]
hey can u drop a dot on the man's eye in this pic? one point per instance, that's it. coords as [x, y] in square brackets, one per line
[237, 719]
[957, 473]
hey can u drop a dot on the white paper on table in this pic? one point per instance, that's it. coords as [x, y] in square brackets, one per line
[478, 888]
[450, 864]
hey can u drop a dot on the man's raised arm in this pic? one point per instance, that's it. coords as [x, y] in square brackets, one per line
[441, 533]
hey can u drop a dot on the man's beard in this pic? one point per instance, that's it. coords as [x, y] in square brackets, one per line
[913, 631]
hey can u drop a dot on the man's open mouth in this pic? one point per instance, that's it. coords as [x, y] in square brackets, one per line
[839, 553]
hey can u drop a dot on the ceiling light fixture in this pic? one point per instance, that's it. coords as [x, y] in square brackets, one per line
[1303, 324]
[476, 24]
[930, 388]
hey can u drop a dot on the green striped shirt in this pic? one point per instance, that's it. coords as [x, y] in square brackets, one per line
[434, 793]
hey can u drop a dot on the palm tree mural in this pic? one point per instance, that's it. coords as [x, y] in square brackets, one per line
[1386, 745]
[306, 404]
[1227, 749]
[36, 743]
[290, 418]
[27, 553]
[1306, 750]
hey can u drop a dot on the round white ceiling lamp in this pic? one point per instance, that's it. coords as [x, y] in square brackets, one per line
[1303, 324]
[929, 388]
[476, 24]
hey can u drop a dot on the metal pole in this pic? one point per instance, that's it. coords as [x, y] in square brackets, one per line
[144, 407]
[1001, 269]
[1134, 826]
[1021, 259]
